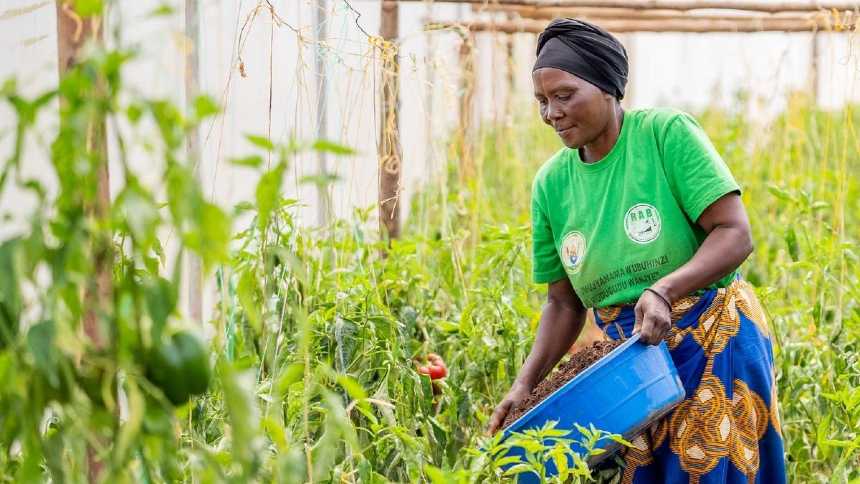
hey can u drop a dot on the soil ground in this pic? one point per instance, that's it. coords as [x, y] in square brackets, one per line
[565, 372]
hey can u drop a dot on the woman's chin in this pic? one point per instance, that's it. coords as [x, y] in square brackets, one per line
[570, 142]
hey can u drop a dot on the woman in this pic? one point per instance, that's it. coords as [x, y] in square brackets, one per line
[640, 218]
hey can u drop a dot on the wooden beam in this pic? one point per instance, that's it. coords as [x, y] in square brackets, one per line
[592, 13]
[660, 26]
[389, 136]
[467, 108]
[685, 5]
[814, 68]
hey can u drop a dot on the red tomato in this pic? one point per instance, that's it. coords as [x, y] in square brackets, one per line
[436, 368]
[438, 372]
[435, 359]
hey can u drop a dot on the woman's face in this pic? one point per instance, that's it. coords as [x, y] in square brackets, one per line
[578, 110]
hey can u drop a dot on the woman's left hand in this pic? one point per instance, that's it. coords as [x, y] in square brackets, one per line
[653, 318]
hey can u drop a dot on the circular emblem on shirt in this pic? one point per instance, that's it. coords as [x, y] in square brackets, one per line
[642, 223]
[573, 251]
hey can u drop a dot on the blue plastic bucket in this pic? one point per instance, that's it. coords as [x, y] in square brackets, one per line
[622, 393]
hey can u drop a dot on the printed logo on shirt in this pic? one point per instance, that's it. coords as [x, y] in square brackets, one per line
[642, 223]
[573, 251]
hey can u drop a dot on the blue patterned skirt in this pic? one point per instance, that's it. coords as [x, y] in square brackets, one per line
[727, 430]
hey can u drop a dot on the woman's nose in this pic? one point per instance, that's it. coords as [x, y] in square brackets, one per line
[553, 111]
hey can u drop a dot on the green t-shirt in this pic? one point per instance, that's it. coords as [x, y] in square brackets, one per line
[616, 226]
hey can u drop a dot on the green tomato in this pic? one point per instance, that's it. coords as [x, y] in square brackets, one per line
[180, 367]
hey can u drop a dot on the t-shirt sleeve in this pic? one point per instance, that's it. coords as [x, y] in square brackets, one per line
[546, 265]
[696, 171]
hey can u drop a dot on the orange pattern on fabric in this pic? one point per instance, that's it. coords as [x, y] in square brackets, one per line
[748, 303]
[708, 426]
[749, 424]
[609, 314]
[701, 428]
[640, 454]
[774, 409]
[681, 306]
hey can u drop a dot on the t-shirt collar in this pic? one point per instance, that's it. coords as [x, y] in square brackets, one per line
[616, 151]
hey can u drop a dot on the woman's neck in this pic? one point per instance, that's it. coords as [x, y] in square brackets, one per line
[601, 146]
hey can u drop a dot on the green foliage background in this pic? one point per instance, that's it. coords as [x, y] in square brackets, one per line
[315, 330]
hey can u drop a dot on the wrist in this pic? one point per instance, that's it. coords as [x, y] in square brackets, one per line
[665, 289]
[522, 383]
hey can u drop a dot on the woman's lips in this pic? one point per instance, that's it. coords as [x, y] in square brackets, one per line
[562, 132]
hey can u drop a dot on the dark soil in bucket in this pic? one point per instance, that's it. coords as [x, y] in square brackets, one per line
[565, 372]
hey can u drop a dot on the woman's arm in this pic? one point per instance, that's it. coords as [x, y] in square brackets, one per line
[561, 322]
[726, 246]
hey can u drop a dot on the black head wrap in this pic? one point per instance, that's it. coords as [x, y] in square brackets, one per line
[586, 51]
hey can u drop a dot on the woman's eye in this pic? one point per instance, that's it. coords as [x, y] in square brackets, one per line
[564, 98]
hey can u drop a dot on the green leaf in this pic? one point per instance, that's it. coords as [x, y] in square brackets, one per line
[791, 242]
[519, 469]
[841, 443]
[260, 141]
[253, 161]
[247, 292]
[780, 193]
[205, 106]
[242, 207]
[40, 342]
[243, 415]
[10, 292]
[436, 475]
[134, 112]
[215, 229]
[319, 180]
[170, 123]
[89, 8]
[621, 440]
[332, 147]
[352, 387]
[268, 193]
[507, 460]
[162, 10]
[161, 298]
[135, 210]
[821, 434]
[289, 375]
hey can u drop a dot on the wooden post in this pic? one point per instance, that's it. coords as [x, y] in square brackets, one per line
[323, 200]
[429, 100]
[467, 97]
[389, 136]
[814, 74]
[73, 32]
[630, 46]
[511, 65]
[192, 89]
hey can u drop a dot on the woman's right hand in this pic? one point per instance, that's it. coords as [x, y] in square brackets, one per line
[515, 395]
[561, 321]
